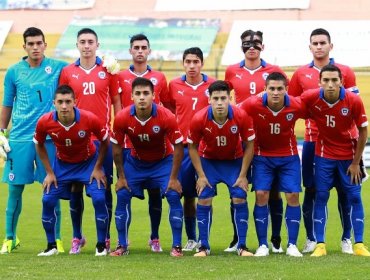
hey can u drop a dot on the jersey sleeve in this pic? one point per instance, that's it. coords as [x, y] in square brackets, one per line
[228, 74]
[98, 129]
[295, 88]
[163, 94]
[10, 89]
[195, 130]
[113, 86]
[349, 82]
[170, 98]
[360, 117]
[247, 132]
[63, 78]
[172, 129]
[118, 133]
[40, 132]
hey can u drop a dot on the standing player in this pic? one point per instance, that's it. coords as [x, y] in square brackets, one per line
[305, 78]
[247, 78]
[338, 151]
[96, 91]
[217, 155]
[29, 87]
[274, 114]
[188, 94]
[140, 50]
[77, 160]
[153, 163]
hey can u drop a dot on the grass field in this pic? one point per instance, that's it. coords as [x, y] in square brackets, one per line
[142, 264]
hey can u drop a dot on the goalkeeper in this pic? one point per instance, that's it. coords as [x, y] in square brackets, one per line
[29, 88]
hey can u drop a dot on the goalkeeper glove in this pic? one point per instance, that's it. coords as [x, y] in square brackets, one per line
[4, 144]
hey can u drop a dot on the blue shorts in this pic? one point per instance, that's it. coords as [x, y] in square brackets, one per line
[187, 176]
[68, 173]
[287, 170]
[308, 166]
[108, 162]
[329, 172]
[149, 175]
[23, 165]
[222, 171]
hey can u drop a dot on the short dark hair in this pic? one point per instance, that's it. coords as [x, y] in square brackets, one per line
[331, 68]
[276, 76]
[140, 81]
[138, 37]
[250, 32]
[87, 31]
[218, 85]
[65, 89]
[320, 31]
[194, 50]
[32, 32]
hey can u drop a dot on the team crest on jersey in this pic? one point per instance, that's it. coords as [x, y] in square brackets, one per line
[48, 69]
[82, 133]
[154, 81]
[11, 176]
[264, 75]
[102, 74]
[344, 111]
[206, 92]
[234, 129]
[289, 116]
[156, 129]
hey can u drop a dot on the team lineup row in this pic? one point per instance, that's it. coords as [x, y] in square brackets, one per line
[205, 149]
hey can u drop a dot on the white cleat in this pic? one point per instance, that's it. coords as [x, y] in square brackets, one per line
[190, 245]
[292, 251]
[346, 245]
[48, 252]
[232, 249]
[103, 253]
[262, 251]
[309, 246]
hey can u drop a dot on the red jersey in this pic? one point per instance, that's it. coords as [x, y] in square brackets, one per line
[188, 100]
[126, 77]
[94, 88]
[246, 82]
[220, 142]
[151, 139]
[308, 77]
[73, 143]
[274, 130]
[336, 122]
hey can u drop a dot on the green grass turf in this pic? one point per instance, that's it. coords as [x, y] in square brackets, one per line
[143, 264]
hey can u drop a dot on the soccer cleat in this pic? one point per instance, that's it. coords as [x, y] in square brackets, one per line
[293, 251]
[190, 245]
[155, 246]
[309, 246]
[101, 250]
[202, 252]
[320, 250]
[359, 249]
[60, 247]
[276, 245]
[107, 244]
[120, 251]
[77, 244]
[49, 251]
[244, 252]
[176, 251]
[10, 245]
[232, 247]
[346, 245]
[262, 251]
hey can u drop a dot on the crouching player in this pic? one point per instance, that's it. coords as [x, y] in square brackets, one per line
[152, 164]
[76, 161]
[216, 152]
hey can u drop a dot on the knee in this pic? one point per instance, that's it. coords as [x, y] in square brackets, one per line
[354, 198]
[49, 201]
[322, 197]
[173, 197]
[123, 197]
[262, 198]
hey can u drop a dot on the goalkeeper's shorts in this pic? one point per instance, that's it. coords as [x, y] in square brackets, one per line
[23, 165]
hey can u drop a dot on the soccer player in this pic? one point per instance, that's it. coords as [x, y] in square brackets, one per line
[305, 78]
[77, 160]
[274, 114]
[29, 88]
[216, 152]
[96, 91]
[338, 151]
[153, 163]
[247, 78]
[188, 94]
[140, 50]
